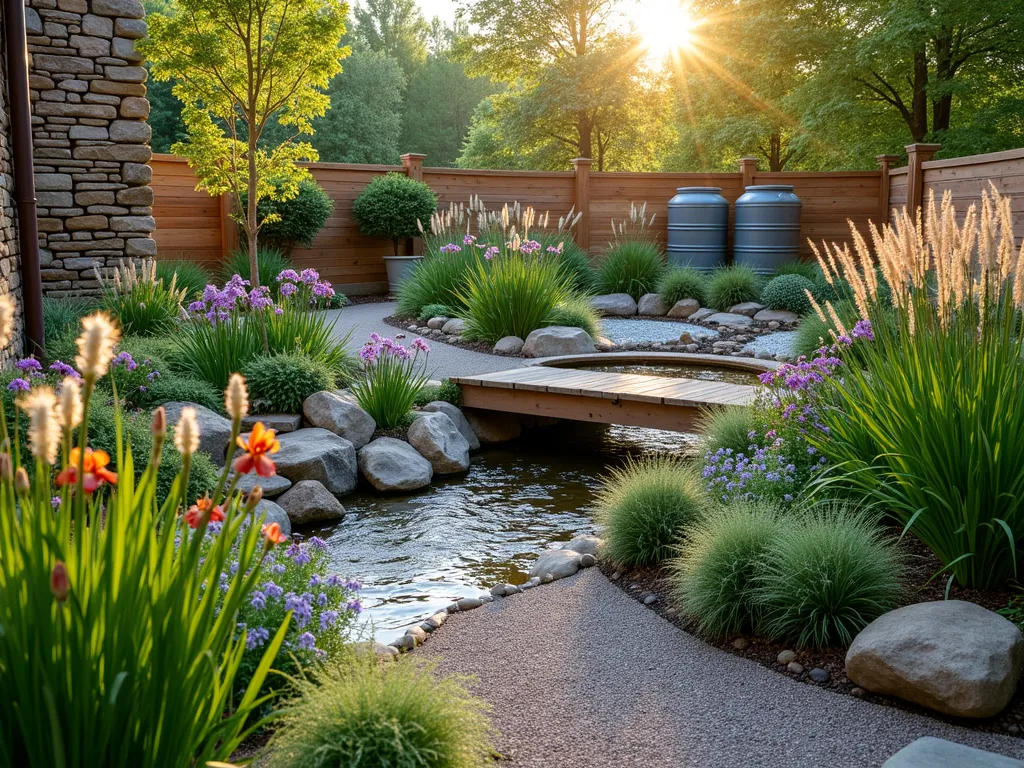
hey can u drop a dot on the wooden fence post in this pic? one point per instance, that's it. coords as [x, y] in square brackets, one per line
[748, 169]
[228, 226]
[413, 164]
[885, 162]
[581, 167]
[917, 156]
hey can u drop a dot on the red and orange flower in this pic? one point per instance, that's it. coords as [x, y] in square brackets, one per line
[204, 511]
[261, 442]
[273, 534]
[94, 470]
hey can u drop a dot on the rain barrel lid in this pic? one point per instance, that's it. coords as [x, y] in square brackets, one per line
[698, 189]
[771, 187]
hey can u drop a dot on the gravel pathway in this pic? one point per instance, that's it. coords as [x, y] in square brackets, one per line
[778, 343]
[638, 331]
[580, 674]
[445, 360]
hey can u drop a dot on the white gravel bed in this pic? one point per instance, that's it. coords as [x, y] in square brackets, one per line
[778, 343]
[623, 331]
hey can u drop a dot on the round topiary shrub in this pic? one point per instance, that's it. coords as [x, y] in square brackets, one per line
[633, 266]
[392, 206]
[644, 507]
[788, 292]
[714, 579]
[280, 383]
[301, 217]
[826, 576]
[366, 714]
[732, 285]
[683, 283]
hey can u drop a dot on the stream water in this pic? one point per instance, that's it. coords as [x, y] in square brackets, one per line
[416, 553]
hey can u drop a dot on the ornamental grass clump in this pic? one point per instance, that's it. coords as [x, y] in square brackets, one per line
[714, 579]
[190, 276]
[730, 286]
[575, 311]
[392, 376]
[728, 428]
[930, 424]
[630, 266]
[362, 714]
[142, 303]
[681, 283]
[825, 576]
[107, 592]
[644, 507]
[436, 280]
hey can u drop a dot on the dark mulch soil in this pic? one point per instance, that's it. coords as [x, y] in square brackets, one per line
[370, 298]
[921, 563]
[475, 346]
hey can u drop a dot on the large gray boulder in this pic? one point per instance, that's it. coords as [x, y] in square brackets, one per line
[279, 422]
[439, 441]
[214, 429]
[618, 304]
[394, 465]
[316, 454]
[652, 305]
[272, 486]
[778, 315]
[308, 501]
[559, 563]
[930, 752]
[459, 419]
[455, 326]
[493, 426]
[684, 308]
[585, 544]
[341, 415]
[702, 314]
[949, 655]
[272, 512]
[509, 345]
[727, 318]
[558, 340]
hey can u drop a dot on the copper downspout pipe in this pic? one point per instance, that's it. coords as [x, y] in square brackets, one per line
[24, 173]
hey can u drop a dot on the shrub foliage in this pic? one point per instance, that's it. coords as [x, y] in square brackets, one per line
[394, 206]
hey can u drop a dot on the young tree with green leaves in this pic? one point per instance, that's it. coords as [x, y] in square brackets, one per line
[239, 66]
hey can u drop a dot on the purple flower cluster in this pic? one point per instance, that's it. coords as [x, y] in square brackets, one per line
[30, 366]
[491, 252]
[804, 373]
[63, 370]
[450, 248]
[379, 348]
[290, 282]
[760, 473]
[529, 246]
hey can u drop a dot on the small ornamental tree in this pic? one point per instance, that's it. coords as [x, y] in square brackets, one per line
[239, 65]
[394, 206]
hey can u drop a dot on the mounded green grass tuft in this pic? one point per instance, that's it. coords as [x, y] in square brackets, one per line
[732, 285]
[726, 428]
[193, 277]
[368, 715]
[683, 283]
[438, 278]
[576, 312]
[644, 507]
[788, 292]
[575, 265]
[634, 267]
[826, 576]
[714, 579]
[434, 310]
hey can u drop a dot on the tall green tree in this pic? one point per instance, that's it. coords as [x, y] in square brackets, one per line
[394, 27]
[238, 66]
[364, 122]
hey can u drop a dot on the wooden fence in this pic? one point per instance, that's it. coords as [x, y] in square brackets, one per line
[192, 225]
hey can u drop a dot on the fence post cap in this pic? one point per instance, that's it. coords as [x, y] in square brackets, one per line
[413, 156]
[923, 149]
[887, 158]
[578, 161]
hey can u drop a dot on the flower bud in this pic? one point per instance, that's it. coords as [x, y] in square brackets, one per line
[159, 424]
[236, 398]
[60, 583]
[6, 467]
[21, 483]
[254, 498]
[186, 433]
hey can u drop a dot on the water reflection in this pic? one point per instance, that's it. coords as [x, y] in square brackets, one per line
[672, 371]
[416, 553]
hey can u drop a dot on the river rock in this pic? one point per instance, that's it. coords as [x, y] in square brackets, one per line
[214, 429]
[309, 502]
[557, 562]
[509, 345]
[777, 316]
[684, 308]
[617, 304]
[437, 323]
[949, 655]
[439, 441]
[931, 752]
[279, 422]
[652, 305]
[585, 545]
[272, 486]
[728, 318]
[317, 454]
[394, 465]
[703, 314]
[493, 426]
[454, 413]
[558, 340]
[273, 513]
[454, 326]
[746, 308]
[341, 415]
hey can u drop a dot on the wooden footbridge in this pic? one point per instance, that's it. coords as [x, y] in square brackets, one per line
[610, 398]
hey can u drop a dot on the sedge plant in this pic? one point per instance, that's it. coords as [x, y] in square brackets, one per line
[120, 645]
[393, 375]
[140, 300]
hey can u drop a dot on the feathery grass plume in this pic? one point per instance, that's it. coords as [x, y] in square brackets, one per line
[43, 423]
[7, 314]
[70, 403]
[236, 398]
[186, 433]
[96, 346]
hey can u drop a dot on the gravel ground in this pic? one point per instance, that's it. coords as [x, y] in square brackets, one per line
[636, 331]
[778, 343]
[445, 359]
[581, 674]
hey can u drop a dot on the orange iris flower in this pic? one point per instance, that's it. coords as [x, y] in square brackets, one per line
[272, 533]
[93, 467]
[203, 510]
[261, 442]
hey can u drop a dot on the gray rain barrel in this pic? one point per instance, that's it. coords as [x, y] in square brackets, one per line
[698, 227]
[767, 227]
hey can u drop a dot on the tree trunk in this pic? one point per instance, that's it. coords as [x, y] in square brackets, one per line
[250, 214]
[944, 74]
[919, 104]
[584, 128]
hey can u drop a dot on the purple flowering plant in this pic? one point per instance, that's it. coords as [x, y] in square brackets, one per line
[392, 376]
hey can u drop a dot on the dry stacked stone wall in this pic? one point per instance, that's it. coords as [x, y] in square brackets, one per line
[91, 139]
[10, 277]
